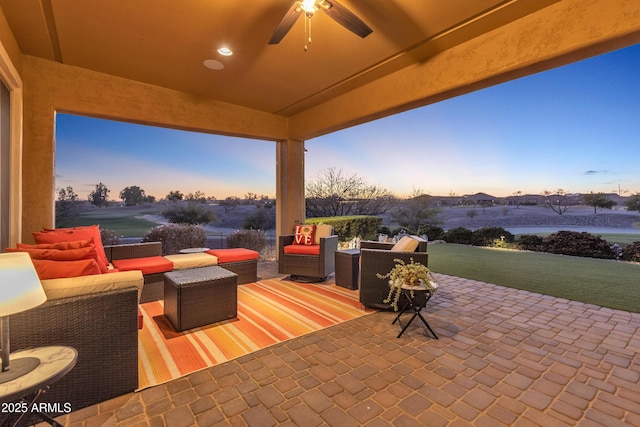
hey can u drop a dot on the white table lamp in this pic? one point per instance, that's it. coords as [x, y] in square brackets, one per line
[20, 290]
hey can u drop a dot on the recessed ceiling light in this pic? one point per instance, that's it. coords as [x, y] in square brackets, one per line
[213, 64]
[225, 51]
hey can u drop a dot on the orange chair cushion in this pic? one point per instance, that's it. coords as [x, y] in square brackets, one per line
[74, 234]
[233, 254]
[148, 265]
[49, 269]
[302, 249]
[304, 234]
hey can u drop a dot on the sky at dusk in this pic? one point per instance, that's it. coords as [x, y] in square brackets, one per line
[575, 128]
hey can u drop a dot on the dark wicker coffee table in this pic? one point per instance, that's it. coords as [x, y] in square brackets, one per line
[200, 296]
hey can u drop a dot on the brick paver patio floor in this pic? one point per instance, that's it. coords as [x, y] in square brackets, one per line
[504, 357]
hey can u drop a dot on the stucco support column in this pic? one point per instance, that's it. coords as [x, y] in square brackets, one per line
[290, 206]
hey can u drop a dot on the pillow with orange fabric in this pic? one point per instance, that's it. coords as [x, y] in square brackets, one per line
[48, 269]
[88, 252]
[74, 234]
[60, 245]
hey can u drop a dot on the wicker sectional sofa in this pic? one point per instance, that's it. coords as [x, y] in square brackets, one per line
[100, 321]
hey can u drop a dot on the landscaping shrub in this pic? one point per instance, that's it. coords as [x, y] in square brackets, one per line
[109, 237]
[348, 227]
[487, 236]
[632, 252]
[177, 236]
[384, 230]
[577, 244]
[248, 239]
[189, 213]
[458, 235]
[433, 232]
[530, 242]
[261, 219]
[402, 230]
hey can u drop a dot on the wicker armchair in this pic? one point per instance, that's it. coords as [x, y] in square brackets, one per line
[102, 327]
[377, 257]
[153, 289]
[308, 267]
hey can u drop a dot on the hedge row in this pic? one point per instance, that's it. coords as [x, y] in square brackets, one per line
[346, 227]
[573, 243]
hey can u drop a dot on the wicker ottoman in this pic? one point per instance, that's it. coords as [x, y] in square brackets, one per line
[347, 268]
[243, 262]
[200, 296]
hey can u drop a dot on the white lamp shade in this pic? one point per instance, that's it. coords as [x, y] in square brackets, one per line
[20, 287]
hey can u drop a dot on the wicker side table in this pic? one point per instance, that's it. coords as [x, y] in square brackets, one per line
[200, 296]
[347, 268]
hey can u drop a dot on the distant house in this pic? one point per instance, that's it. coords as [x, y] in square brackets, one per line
[480, 199]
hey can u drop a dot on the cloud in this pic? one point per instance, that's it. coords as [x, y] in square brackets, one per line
[597, 172]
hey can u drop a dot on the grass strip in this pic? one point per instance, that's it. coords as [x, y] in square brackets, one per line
[594, 281]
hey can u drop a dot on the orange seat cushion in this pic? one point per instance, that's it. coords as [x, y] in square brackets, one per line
[233, 254]
[49, 269]
[302, 249]
[148, 265]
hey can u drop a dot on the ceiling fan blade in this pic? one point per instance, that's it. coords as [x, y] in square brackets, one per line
[285, 25]
[347, 19]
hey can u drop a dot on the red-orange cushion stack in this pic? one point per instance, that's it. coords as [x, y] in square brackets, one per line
[66, 252]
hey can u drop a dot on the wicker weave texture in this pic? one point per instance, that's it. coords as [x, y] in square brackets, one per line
[153, 288]
[102, 327]
[200, 296]
[347, 268]
[374, 290]
[247, 271]
[319, 266]
[134, 250]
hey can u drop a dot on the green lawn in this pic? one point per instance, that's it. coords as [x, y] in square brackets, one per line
[602, 282]
[122, 221]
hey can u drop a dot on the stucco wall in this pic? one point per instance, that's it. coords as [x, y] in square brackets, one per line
[51, 87]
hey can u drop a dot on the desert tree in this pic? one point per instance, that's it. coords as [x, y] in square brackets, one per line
[417, 211]
[558, 201]
[598, 200]
[99, 196]
[633, 203]
[197, 197]
[230, 203]
[133, 195]
[333, 193]
[250, 198]
[67, 206]
[174, 196]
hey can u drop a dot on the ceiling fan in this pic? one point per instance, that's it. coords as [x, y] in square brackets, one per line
[335, 10]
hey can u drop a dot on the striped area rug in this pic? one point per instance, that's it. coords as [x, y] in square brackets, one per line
[269, 311]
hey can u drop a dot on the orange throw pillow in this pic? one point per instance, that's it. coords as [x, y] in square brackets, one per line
[48, 269]
[74, 234]
[62, 246]
[63, 255]
[305, 234]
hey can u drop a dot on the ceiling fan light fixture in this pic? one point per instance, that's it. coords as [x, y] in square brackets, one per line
[225, 51]
[308, 6]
